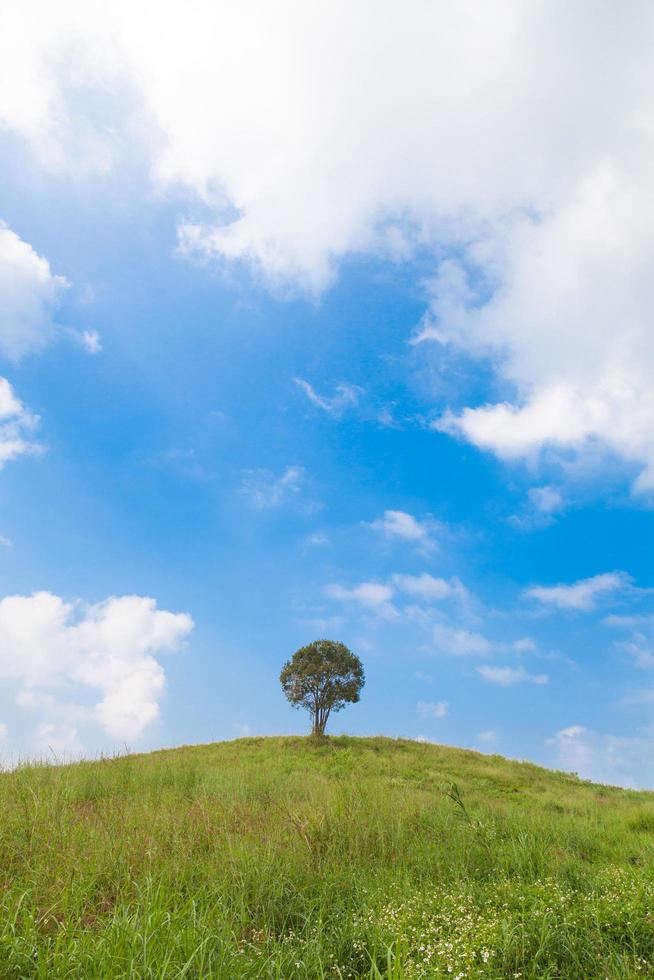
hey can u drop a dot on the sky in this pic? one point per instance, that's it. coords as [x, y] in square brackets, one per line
[321, 319]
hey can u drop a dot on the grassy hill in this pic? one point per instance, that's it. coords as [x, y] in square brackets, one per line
[286, 857]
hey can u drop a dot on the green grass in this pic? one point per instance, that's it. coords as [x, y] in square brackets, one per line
[345, 857]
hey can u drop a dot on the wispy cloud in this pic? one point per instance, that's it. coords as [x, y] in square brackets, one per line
[423, 590]
[90, 340]
[316, 540]
[460, 642]
[639, 644]
[509, 676]
[427, 588]
[524, 645]
[345, 396]
[582, 595]
[543, 504]
[398, 525]
[640, 648]
[373, 596]
[265, 490]
[432, 709]
[546, 499]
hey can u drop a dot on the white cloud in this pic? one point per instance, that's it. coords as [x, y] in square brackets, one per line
[639, 645]
[387, 420]
[368, 593]
[90, 340]
[552, 221]
[17, 425]
[344, 397]
[488, 738]
[265, 490]
[460, 642]
[640, 648]
[630, 620]
[546, 499]
[581, 595]
[52, 648]
[373, 596]
[569, 319]
[58, 740]
[524, 645]
[397, 524]
[621, 760]
[29, 293]
[429, 709]
[430, 589]
[508, 676]
[543, 504]
[4, 733]
[573, 731]
[316, 540]
[423, 588]
[314, 175]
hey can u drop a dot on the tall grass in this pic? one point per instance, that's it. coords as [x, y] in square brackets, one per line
[336, 858]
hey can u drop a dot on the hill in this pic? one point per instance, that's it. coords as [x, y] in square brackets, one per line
[346, 857]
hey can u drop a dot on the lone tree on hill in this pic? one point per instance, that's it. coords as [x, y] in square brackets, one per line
[322, 677]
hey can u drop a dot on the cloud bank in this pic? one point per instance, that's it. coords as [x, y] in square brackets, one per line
[512, 142]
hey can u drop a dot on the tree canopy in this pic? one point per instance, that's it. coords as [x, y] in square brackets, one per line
[322, 677]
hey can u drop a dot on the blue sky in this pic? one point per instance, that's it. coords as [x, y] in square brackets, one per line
[289, 355]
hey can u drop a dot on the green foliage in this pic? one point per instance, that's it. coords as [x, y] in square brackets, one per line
[299, 859]
[322, 677]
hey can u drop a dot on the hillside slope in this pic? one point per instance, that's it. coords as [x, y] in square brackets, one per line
[349, 857]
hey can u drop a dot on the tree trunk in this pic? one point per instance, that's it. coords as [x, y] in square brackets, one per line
[319, 721]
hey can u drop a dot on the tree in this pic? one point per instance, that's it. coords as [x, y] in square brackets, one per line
[322, 677]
